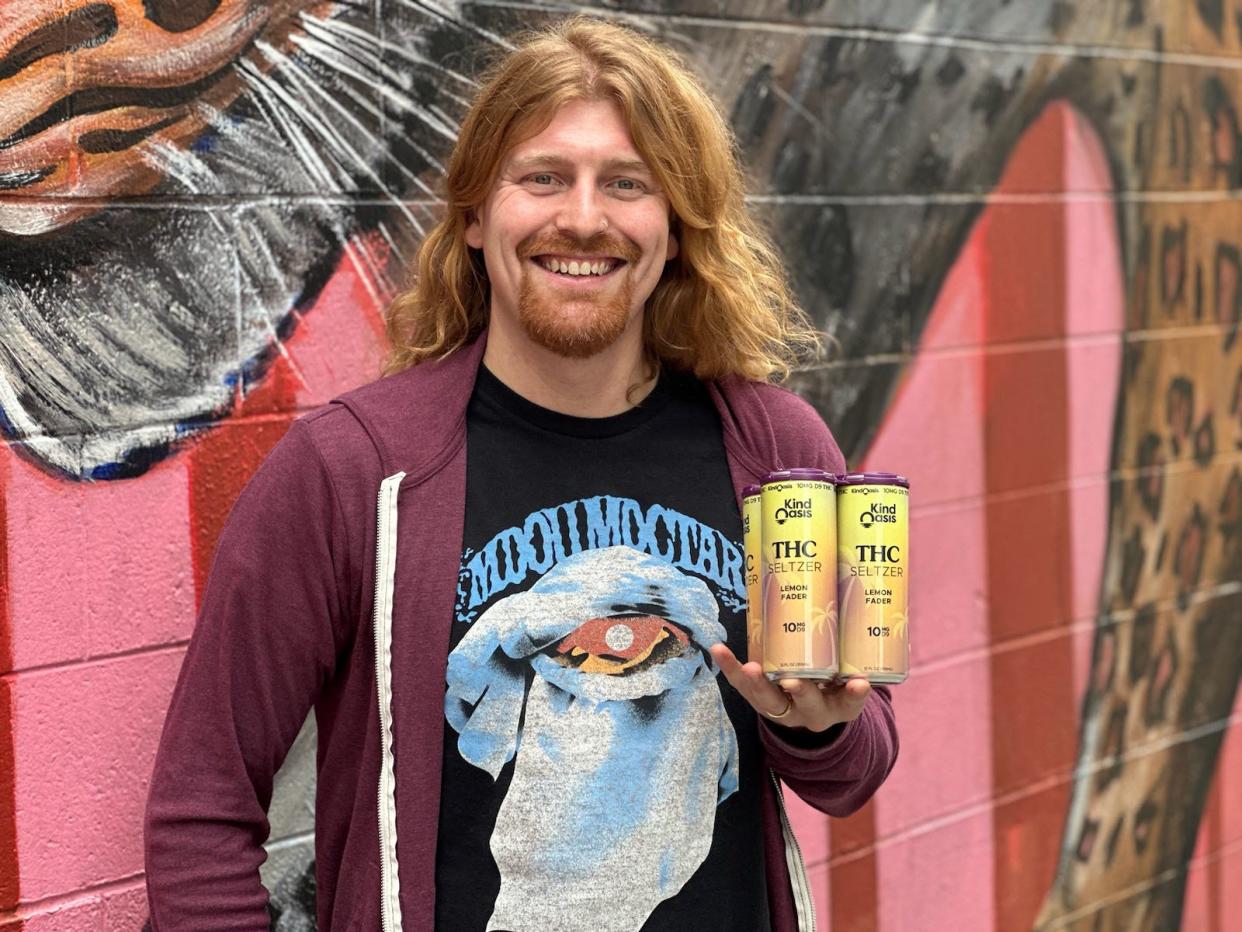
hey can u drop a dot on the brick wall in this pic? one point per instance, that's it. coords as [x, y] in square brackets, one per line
[1018, 221]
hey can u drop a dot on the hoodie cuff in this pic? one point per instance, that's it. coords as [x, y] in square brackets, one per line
[802, 742]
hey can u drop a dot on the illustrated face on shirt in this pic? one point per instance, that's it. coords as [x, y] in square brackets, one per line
[577, 194]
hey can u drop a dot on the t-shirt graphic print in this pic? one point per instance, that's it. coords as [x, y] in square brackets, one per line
[580, 684]
[625, 745]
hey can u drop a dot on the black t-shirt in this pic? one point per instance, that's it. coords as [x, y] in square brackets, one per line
[597, 775]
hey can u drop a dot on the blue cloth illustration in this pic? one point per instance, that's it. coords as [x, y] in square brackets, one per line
[598, 681]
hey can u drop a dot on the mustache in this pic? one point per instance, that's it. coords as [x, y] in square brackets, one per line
[601, 244]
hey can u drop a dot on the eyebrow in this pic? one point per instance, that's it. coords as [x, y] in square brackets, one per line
[541, 159]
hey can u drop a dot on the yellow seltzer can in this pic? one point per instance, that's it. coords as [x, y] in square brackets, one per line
[752, 547]
[873, 536]
[799, 575]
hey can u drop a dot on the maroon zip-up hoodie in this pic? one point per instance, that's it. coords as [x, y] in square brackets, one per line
[290, 620]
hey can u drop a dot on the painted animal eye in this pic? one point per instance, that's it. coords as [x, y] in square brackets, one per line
[616, 645]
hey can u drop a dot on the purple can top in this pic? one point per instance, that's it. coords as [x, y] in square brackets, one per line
[873, 478]
[749, 490]
[787, 475]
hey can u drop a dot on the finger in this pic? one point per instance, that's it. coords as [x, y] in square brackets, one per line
[815, 707]
[747, 678]
[855, 686]
[846, 700]
[821, 705]
[858, 691]
[729, 664]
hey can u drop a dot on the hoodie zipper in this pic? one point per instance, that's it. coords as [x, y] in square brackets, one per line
[804, 904]
[385, 573]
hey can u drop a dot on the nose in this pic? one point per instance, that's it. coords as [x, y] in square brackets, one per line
[583, 210]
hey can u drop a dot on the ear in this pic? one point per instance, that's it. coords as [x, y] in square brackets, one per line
[673, 246]
[474, 231]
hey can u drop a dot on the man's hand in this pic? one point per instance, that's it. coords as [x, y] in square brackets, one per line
[813, 705]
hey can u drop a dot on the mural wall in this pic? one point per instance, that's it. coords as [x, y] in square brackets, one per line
[1018, 220]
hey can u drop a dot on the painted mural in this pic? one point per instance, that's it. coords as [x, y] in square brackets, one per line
[1017, 220]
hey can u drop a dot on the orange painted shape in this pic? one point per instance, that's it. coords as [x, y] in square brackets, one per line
[1028, 565]
[1026, 441]
[225, 458]
[1029, 572]
[1030, 826]
[1025, 241]
[853, 906]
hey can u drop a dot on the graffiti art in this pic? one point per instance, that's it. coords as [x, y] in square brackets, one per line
[180, 180]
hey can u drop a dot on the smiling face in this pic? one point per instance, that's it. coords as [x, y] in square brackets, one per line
[574, 232]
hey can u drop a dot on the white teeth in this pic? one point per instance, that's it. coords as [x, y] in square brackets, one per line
[578, 268]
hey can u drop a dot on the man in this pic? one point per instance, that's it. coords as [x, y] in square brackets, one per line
[577, 395]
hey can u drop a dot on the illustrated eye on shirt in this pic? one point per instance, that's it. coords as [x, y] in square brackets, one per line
[621, 644]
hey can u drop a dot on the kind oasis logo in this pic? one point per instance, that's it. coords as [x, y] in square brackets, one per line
[793, 508]
[878, 513]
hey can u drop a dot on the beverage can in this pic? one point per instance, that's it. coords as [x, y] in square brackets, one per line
[873, 536]
[752, 547]
[798, 574]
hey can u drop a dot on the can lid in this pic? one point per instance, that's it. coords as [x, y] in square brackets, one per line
[873, 478]
[749, 490]
[785, 475]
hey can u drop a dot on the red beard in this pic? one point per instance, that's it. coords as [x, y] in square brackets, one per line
[575, 326]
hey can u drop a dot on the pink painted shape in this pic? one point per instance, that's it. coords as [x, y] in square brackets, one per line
[821, 892]
[1088, 502]
[1227, 823]
[811, 827]
[1095, 318]
[1231, 884]
[939, 445]
[336, 345]
[946, 750]
[948, 584]
[85, 915]
[44, 549]
[1095, 279]
[97, 568]
[126, 908]
[956, 321]
[85, 739]
[939, 879]
[1196, 908]
[114, 909]
[933, 433]
[1229, 775]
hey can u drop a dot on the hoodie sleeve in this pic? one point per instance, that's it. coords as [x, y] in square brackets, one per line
[269, 628]
[840, 774]
[838, 771]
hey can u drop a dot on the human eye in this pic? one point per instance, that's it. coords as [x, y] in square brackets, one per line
[541, 179]
[629, 186]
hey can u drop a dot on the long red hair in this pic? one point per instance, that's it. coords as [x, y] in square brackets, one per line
[723, 306]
